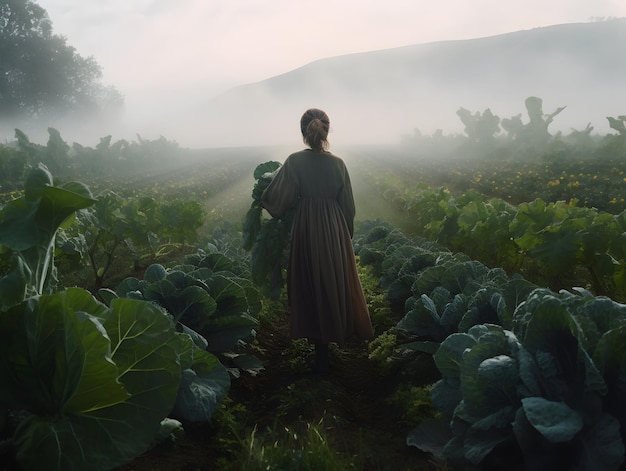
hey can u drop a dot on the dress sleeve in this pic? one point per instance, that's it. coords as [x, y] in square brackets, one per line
[283, 191]
[346, 201]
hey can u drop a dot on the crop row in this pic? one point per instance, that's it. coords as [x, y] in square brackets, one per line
[89, 382]
[529, 377]
[557, 243]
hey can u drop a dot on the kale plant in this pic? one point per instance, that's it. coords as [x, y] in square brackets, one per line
[267, 239]
[546, 391]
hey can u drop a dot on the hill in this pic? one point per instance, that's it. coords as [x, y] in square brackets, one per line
[378, 96]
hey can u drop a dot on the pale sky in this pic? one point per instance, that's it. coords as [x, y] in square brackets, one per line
[160, 48]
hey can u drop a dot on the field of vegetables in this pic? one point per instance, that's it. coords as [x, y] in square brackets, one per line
[494, 285]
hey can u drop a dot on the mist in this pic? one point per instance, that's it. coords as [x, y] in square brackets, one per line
[378, 97]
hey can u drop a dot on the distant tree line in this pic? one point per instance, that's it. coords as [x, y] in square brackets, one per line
[40, 74]
[107, 158]
[486, 133]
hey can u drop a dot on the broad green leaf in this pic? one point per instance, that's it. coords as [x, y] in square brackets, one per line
[251, 226]
[558, 249]
[154, 273]
[453, 313]
[107, 295]
[446, 395]
[13, 285]
[610, 359]
[216, 262]
[48, 343]
[550, 321]
[98, 384]
[229, 296]
[501, 369]
[529, 374]
[37, 179]
[478, 313]
[487, 433]
[431, 436]
[224, 332]
[456, 278]
[556, 421]
[489, 376]
[429, 279]
[204, 383]
[400, 288]
[27, 223]
[449, 356]
[531, 218]
[423, 321]
[198, 339]
[604, 446]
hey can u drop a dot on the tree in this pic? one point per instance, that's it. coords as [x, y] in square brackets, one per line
[39, 72]
[536, 130]
[479, 128]
[619, 124]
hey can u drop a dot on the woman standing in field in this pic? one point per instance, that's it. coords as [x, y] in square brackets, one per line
[325, 295]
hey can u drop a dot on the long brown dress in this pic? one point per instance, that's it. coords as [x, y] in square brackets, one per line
[325, 295]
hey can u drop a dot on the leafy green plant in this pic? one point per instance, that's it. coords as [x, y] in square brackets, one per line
[414, 403]
[381, 349]
[378, 303]
[28, 227]
[547, 388]
[266, 239]
[100, 235]
[83, 385]
[132, 229]
[393, 257]
[205, 300]
[456, 295]
[518, 364]
[96, 382]
[441, 292]
[557, 244]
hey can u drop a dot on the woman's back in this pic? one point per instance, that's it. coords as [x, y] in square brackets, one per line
[325, 295]
[319, 174]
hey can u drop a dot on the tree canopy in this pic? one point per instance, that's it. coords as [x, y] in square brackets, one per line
[39, 72]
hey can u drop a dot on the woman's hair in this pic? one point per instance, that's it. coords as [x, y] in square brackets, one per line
[315, 125]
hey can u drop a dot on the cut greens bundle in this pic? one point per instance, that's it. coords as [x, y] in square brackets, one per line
[266, 239]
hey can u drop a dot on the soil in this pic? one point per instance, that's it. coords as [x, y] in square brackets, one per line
[350, 403]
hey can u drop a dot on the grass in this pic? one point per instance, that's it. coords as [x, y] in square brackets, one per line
[287, 448]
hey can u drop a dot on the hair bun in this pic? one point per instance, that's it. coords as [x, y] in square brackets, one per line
[315, 125]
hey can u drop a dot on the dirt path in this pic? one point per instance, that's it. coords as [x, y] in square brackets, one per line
[352, 403]
[370, 203]
[232, 202]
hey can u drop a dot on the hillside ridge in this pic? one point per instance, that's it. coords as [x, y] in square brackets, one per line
[578, 65]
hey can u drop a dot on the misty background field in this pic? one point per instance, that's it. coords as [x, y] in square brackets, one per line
[377, 97]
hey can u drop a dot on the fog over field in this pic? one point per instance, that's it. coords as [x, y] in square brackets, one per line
[376, 97]
[379, 96]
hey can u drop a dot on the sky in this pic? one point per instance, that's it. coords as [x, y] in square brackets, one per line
[165, 53]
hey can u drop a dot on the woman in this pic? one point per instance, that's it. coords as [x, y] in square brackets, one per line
[325, 295]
